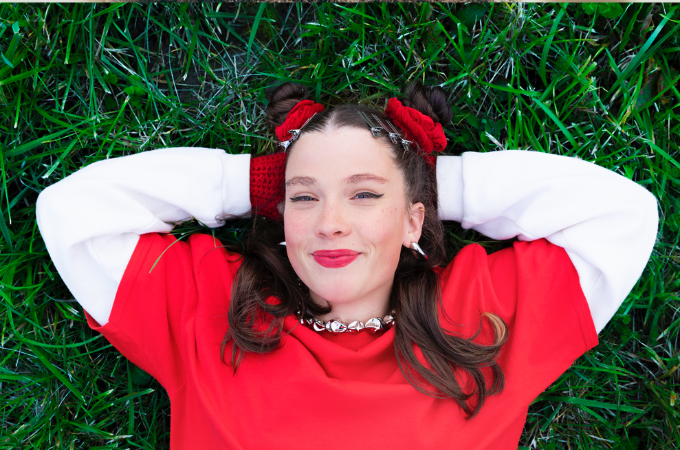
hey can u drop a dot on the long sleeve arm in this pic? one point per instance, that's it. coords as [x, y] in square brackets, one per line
[91, 220]
[606, 223]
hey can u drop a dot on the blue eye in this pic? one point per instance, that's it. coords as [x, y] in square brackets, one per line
[303, 198]
[368, 195]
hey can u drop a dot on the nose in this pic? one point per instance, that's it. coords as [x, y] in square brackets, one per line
[332, 221]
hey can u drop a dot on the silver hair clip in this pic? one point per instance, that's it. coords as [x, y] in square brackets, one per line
[295, 133]
[395, 136]
[285, 144]
[375, 130]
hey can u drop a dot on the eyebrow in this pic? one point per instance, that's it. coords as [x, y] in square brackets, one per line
[306, 181]
[358, 178]
[352, 179]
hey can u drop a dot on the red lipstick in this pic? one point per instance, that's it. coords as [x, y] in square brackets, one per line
[335, 258]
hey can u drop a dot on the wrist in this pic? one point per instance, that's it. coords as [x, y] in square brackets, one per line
[449, 170]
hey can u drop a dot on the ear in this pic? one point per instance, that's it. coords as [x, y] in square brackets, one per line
[415, 224]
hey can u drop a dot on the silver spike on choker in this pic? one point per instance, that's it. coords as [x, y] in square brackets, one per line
[335, 326]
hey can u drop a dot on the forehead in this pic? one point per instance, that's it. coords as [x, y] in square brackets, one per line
[340, 154]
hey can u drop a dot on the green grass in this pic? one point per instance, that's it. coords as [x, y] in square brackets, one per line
[80, 83]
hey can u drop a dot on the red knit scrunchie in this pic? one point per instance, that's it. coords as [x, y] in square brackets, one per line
[296, 118]
[417, 126]
[266, 179]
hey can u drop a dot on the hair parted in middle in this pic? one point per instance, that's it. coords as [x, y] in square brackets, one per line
[416, 292]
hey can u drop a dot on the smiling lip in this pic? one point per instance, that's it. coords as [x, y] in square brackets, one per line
[335, 258]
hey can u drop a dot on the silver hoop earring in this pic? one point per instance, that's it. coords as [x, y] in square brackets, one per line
[417, 248]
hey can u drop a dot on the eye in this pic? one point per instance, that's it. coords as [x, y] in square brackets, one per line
[302, 198]
[368, 195]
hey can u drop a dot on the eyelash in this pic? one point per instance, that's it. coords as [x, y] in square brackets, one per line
[368, 194]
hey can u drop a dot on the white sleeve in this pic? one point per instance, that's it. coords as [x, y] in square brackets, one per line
[91, 220]
[606, 223]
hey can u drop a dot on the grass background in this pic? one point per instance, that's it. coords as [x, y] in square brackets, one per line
[83, 82]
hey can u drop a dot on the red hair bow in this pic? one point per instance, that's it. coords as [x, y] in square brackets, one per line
[417, 126]
[297, 117]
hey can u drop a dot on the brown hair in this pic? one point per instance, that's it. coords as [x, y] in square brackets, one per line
[416, 293]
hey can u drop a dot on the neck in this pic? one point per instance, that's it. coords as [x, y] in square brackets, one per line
[362, 310]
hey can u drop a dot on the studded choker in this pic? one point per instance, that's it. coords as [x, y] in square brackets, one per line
[335, 326]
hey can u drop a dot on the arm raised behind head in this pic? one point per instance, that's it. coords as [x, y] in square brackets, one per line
[606, 223]
[92, 219]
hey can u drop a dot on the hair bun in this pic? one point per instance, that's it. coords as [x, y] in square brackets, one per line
[430, 101]
[282, 99]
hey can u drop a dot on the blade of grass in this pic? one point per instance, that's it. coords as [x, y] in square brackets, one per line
[253, 30]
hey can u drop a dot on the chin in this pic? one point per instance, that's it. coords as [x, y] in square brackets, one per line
[335, 291]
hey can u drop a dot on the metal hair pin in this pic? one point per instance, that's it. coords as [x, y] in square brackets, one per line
[375, 130]
[295, 133]
[395, 135]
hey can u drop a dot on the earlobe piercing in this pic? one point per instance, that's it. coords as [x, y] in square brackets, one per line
[417, 248]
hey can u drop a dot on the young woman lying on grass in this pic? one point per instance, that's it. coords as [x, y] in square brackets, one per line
[341, 323]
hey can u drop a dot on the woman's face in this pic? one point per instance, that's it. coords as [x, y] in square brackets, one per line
[346, 216]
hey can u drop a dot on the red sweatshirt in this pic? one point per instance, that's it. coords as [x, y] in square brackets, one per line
[323, 390]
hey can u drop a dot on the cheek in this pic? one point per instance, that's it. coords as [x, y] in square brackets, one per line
[296, 229]
[387, 230]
